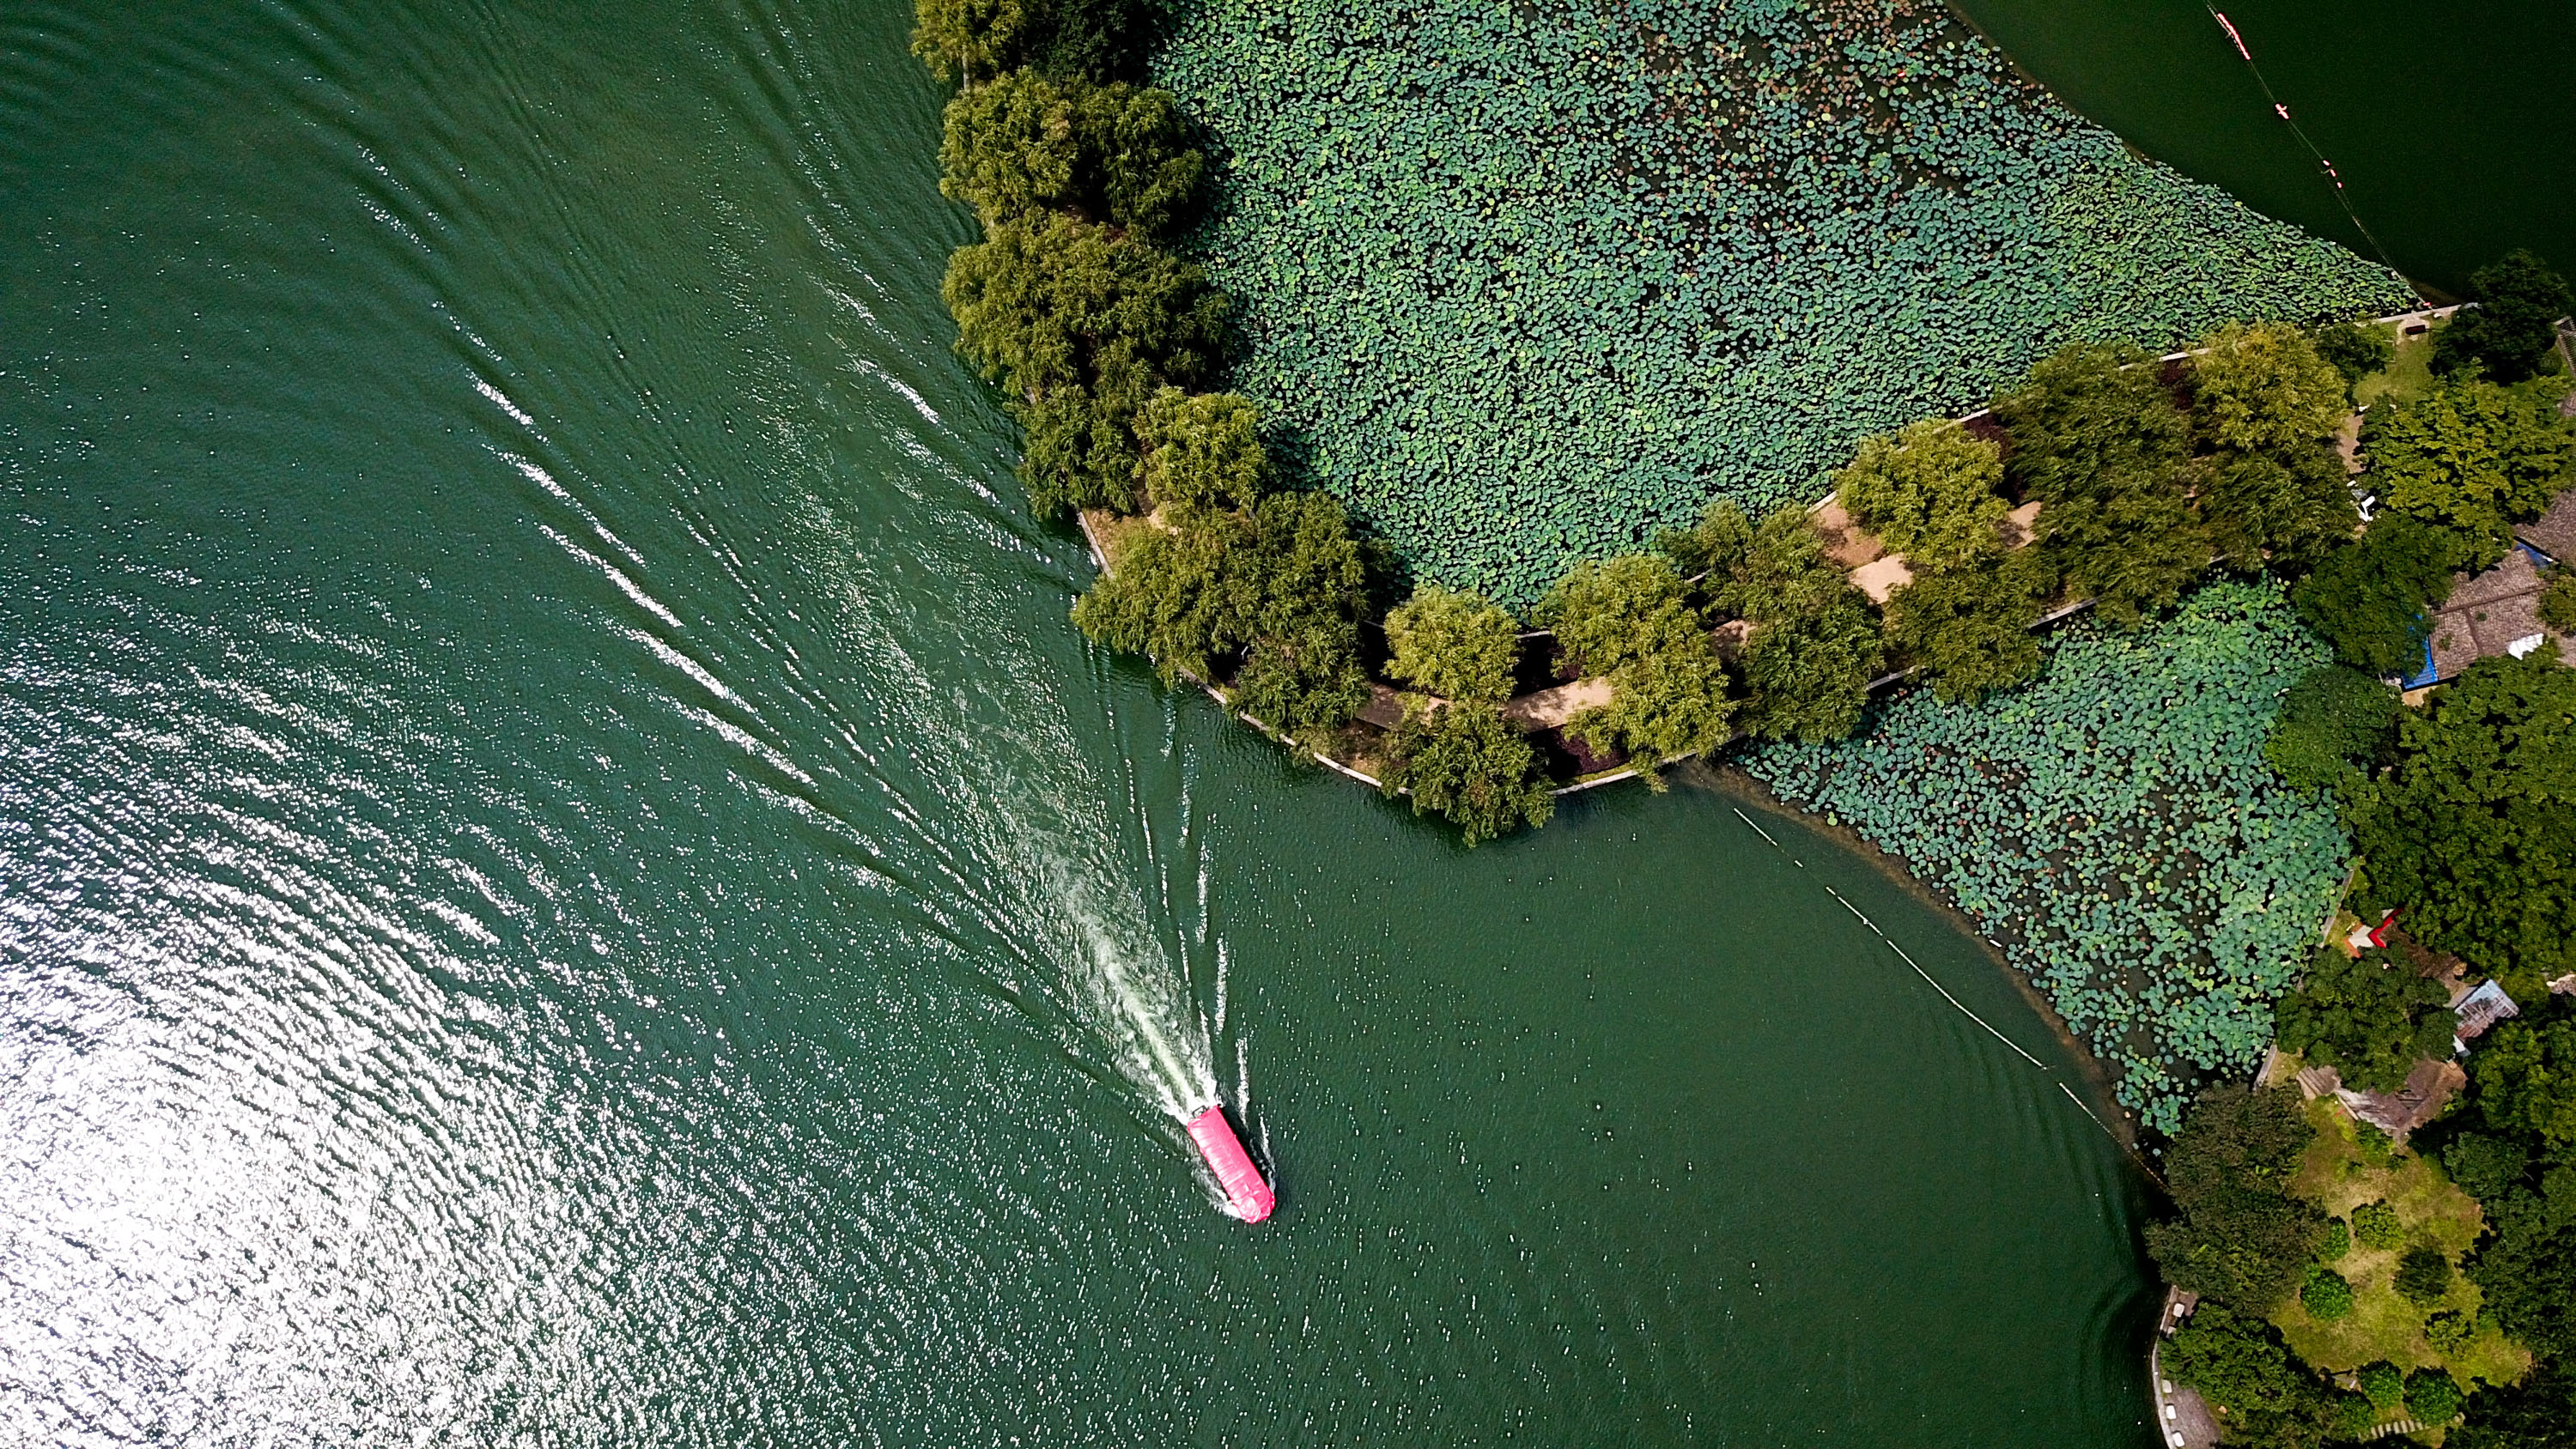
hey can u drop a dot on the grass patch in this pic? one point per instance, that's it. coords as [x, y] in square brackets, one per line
[2404, 380]
[2341, 1172]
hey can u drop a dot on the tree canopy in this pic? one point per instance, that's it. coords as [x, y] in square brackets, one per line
[974, 40]
[2510, 331]
[2263, 388]
[1113, 153]
[1814, 645]
[1081, 325]
[1930, 493]
[2329, 719]
[2370, 1017]
[2241, 1236]
[2356, 350]
[1628, 618]
[1466, 764]
[1456, 645]
[1201, 449]
[1970, 629]
[2086, 412]
[2238, 1363]
[2469, 459]
[2369, 600]
[2473, 831]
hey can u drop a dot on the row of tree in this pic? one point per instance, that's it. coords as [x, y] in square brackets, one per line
[1107, 345]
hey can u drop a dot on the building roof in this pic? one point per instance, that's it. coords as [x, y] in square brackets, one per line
[2483, 1008]
[2554, 532]
[2490, 614]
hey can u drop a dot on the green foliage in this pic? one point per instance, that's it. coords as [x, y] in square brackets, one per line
[2511, 330]
[2449, 1331]
[2370, 1017]
[2163, 903]
[2087, 416]
[2329, 719]
[2382, 1383]
[2473, 832]
[1627, 618]
[2334, 1242]
[2238, 1363]
[2241, 1237]
[2262, 388]
[966, 40]
[1929, 493]
[1200, 449]
[1024, 145]
[2356, 350]
[2432, 1396]
[1969, 629]
[2558, 602]
[2375, 1225]
[2469, 459]
[2423, 1274]
[1467, 764]
[2327, 1295]
[2290, 509]
[1815, 645]
[1081, 325]
[2538, 1413]
[1280, 583]
[2484, 1166]
[2525, 1071]
[2369, 599]
[1454, 645]
[1527, 285]
[2353, 1416]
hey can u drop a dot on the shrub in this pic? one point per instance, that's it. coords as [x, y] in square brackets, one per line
[1105, 153]
[2241, 1236]
[2468, 459]
[1467, 764]
[1929, 493]
[2368, 599]
[2423, 1274]
[2330, 718]
[2382, 1383]
[2473, 831]
[2356, 350]
[2353, 1415]
[2449, 1331]
[2510, 332]
[2432, 1396]
[2375, 1225]
[2327, 1295]
[1201, 449]
[1454, 645]
[2334, 1242]
[2262, 388]
[2370, 1017]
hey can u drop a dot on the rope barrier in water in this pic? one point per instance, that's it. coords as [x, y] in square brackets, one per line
[1945, 991]
[2335, 177]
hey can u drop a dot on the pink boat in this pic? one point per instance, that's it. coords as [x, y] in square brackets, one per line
[1244, 1186]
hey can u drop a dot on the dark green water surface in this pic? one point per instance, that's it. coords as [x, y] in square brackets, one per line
[564, 878]
[2453, 125]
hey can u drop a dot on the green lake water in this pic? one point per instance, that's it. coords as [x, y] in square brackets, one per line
[564, 878]
[2453, 126]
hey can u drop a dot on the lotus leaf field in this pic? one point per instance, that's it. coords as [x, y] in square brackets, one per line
[2113, 826]
[1527, 282]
